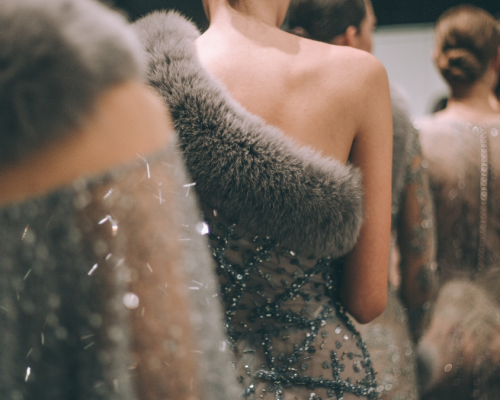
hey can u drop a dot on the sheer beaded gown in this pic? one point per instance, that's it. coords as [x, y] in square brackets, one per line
[292, 339]
[278, 218]
[464, 175]
[107, 291]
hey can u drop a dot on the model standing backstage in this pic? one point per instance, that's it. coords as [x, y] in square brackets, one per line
[459, 353]
[267, 145]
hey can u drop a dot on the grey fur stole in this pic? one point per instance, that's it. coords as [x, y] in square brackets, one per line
[249, 171]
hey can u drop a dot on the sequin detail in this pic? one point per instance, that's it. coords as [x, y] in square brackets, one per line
[464, 174]
[283, 320]
[483, 196]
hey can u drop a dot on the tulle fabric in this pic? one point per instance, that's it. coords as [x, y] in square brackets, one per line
[107, 291]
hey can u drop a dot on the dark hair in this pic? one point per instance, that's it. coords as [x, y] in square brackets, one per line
[467, 39]
[56, 58]
[440, 104]
[323, 20]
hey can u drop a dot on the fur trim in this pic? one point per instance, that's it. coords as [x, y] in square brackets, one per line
[56, 58]
[247, 170]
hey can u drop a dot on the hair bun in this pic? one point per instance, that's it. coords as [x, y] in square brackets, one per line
[459, 65]
[467, 40]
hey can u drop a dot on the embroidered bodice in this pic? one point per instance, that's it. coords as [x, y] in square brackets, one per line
[463, 167]
[291, 336]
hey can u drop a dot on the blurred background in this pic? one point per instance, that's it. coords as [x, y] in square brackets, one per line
[403, 40]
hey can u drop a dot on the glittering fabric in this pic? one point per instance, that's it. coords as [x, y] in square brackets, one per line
[463, 167]
[291, 337]
[107, 291]
[389, 337]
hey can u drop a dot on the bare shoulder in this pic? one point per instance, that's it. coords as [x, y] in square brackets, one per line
[432, 126]
[358, 61]
[340, 67]
[365, 72]
[438, 138]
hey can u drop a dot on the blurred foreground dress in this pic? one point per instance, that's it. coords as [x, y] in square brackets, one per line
[280, 217]
[106, 284]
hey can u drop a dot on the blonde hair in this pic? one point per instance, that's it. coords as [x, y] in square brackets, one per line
[467, 39]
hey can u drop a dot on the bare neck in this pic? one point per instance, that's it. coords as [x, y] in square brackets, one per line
[474, 102]
[268, 12]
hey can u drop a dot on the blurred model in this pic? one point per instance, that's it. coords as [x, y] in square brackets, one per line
[351, 23]
[459, 353]
[99, 242]
[268, 152]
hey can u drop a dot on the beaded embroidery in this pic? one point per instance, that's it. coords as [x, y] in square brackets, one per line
[464, 179]
[483, 206]
[281, 308]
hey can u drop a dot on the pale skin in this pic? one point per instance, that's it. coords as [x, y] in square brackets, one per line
[128, 120]
[411, 264]
[334, 99]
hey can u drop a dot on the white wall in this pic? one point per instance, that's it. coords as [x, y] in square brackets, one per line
[405, 51]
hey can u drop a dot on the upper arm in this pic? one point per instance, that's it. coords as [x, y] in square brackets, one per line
[364, 283]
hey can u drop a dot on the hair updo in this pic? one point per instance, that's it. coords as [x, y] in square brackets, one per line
[323, 20]
[467, 39]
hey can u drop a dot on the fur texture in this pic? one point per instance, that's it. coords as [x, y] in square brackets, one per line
[56, 58]
[464, 332]
[402, 131]
[247, 170]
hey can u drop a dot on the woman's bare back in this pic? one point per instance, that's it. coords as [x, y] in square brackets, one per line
[331, 98]
[313, 91]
